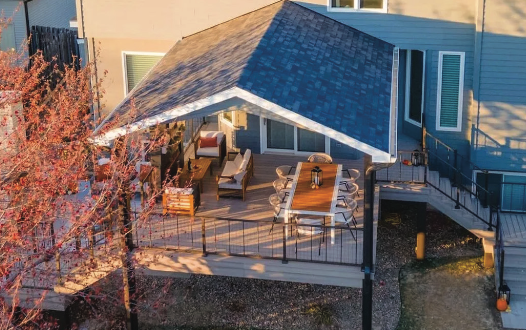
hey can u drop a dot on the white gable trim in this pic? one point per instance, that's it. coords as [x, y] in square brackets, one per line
[378, 156]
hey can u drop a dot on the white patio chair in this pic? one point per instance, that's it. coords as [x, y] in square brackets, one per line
[352, 176]
[280, 185]
[309, 230]
[278, 206]
[286, 172]
[348, 193]
[320, 158]
[345, 214]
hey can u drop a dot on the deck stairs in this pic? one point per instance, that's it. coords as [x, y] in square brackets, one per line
[408, 185]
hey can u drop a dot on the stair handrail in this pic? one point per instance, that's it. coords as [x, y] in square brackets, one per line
[499, 246]
[437, 140]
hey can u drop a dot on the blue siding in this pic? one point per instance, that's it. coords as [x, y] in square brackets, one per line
[342, 151]
[250, 136]
[499, 132]
[19, 20]
[432, 36]
[52, 13]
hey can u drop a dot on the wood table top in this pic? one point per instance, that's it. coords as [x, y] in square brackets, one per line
[318, 200]
[198, 174]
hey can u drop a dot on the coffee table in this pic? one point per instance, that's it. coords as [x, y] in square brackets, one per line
[197, 174]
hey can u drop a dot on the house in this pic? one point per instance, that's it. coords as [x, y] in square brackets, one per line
[444, 79]
[37, 17]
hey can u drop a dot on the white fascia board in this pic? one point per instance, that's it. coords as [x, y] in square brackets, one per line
[378, 156]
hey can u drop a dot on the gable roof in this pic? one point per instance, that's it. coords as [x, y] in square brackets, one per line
[284, 53]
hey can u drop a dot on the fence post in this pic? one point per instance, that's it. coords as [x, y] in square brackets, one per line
[486, 193]
[57, 259]
[456, 180]
[203, 236]
[490, 219]
[284, 245]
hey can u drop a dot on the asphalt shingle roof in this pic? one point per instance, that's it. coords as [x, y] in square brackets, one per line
[294, 57]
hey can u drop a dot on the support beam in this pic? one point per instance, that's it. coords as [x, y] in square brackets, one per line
[421, 231]
[368, 249]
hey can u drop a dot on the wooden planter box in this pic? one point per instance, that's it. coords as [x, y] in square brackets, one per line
[181, 203]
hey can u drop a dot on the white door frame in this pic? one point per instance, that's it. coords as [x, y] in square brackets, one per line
[408, 87]
[294, 152]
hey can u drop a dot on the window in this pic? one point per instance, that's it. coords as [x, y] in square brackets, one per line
[281, 137]
[8, 39]
[358, 5]
[137, 65]
[414, 93]
[228, 118]
[450, 91]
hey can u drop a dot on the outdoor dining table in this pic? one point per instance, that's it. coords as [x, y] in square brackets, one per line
[303, 200]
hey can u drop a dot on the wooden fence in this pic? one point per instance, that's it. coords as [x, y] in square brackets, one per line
[61, 43]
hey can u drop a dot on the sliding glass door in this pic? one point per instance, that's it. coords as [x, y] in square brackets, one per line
[281, 137]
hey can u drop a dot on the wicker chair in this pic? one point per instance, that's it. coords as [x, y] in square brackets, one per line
[345, 214]
[280, 185]
[275, 201]
[320, 158]
[352, 176]
[286, 172]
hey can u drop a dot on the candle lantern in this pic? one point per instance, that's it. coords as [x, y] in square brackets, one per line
[316, 176]
[505, 292]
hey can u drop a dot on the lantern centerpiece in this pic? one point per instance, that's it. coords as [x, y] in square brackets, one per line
[316, 176]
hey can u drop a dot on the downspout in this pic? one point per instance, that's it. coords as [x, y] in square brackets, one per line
[26, 13]
[479, 49]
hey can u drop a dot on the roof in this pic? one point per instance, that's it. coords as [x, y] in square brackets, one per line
[287, 54]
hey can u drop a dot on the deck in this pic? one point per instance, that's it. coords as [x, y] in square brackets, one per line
[243, 228]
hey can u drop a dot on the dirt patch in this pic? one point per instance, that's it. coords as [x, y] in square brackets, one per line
[448, 293]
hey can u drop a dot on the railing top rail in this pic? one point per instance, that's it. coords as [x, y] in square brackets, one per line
[453, 149]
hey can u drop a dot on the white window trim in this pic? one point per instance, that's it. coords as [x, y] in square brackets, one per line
[295, 152]
[460, 95]
[226, 122]
[408, 87]
[124, 75]
[356, 8]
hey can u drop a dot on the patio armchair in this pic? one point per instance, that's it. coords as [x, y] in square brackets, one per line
[348, 193]
[280, 185]
[320, 158]
[207, 146]
[236, 174]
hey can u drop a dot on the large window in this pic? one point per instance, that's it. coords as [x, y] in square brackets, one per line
[358, 5]
[8, 39]
[281, 137]
[228, 118]
[137, 65]
[450, 91]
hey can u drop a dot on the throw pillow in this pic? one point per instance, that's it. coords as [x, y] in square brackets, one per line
[210, 142]
[238, 160]
[239, 176]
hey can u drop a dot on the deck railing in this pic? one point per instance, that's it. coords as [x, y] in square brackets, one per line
[251, 238]
[439, 157]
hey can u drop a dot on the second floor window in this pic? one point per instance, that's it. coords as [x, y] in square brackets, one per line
[136, 66]
[8, 39]
[356, 5]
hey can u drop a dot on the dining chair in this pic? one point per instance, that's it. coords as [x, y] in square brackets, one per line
[280, 185]
[345, 214]
[352, 176]
[308, 230]
[320, 158]
[278, 206]
[348, 193]
[286, 172]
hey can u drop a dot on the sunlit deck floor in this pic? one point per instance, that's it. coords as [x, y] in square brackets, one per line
[252, 235]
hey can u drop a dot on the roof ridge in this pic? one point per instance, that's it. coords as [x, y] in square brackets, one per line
[232, 19]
